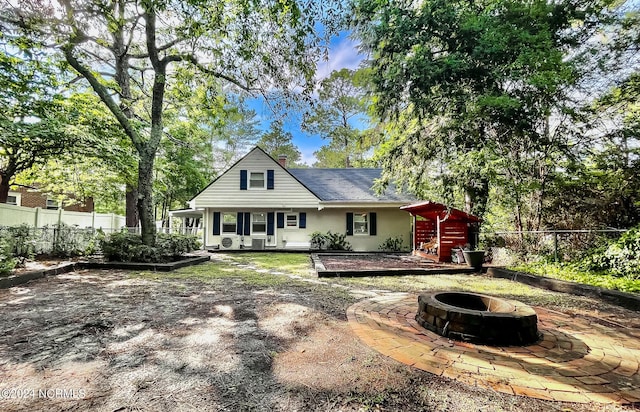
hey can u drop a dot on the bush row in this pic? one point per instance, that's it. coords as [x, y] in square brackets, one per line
[128, 247]
[18, 244]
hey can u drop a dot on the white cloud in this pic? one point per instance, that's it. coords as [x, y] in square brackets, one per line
[307, 156]
[342, 55]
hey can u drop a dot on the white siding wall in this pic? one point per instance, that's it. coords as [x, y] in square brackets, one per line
[225, 192]
[390, 222]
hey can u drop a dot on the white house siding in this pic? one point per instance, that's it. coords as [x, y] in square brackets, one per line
[283, 238]
[225, 194]
[391, 222]
[290, 196]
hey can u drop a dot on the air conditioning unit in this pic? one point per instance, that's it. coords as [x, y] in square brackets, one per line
[257, 244]
[229, 243]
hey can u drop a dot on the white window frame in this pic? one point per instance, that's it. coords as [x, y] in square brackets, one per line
[264, 180]
[367, 221]
[17, 196]
[52, 204]
[254, 222]
[235, 223]
[286, 221]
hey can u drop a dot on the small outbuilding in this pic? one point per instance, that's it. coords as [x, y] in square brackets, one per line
[437, 229]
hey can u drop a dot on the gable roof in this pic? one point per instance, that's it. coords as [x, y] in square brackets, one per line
[328, 185]
[432, 210]
[346, 185]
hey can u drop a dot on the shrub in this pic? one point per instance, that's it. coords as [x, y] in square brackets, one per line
[620, 258]
[128, 247]
[330, 241]
[120, 246]
[175, 245]
[22, 243]
[392, 244]
[318, 240]
[7, 261]
[337, 241]
[70, 241]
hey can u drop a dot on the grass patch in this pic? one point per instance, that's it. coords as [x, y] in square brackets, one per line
[466, 283]
[293, 263]
[572, 273]
[220, 272]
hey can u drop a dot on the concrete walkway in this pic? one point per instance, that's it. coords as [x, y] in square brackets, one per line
[575, 361]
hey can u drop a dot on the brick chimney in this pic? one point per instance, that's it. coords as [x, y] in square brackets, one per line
[282, 159]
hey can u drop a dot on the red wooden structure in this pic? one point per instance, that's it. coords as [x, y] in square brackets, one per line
[437, 229]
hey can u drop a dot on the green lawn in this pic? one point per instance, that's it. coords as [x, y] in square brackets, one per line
[341, 289]
[570, 272]
[300, 264]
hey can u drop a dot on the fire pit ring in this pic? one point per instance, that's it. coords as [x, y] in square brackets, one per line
[476, 318]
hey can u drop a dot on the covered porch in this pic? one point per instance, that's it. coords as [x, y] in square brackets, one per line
[186, 221]
[437, 229]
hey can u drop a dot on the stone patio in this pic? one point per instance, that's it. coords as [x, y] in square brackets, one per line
[575, 361]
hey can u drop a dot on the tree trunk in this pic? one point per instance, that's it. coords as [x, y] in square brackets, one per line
[4, 188]
[476, 196]
[145, 198]
[132, 219]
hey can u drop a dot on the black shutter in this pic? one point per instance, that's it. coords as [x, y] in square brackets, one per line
[280, 219]
[216, 223]
[247, 224]
[243, 180]
[302, 223]
[270, 179]
[373, 224]
[239, 223]
[270, 223]
[349, 224]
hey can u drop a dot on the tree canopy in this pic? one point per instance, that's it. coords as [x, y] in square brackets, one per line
[338, 115]
[131, 53]
[276, 142]
[476, 92]
[37, 122]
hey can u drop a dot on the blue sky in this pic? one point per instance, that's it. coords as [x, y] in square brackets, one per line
[343, 53]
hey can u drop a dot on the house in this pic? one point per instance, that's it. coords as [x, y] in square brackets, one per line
[260, 204]
[33, 197]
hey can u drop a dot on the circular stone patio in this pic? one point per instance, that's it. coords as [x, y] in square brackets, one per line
[575, 361]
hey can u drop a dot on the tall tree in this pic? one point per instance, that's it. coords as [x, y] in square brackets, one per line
[338, 116]
[36, 121]
[474, 81]
[233, 134]
[130, 52]
[103, 166]
[277, 141]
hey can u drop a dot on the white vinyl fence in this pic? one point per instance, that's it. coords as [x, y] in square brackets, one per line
[11, 215]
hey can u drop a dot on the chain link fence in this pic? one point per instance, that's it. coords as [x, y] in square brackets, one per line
[559, 245]
[52, 240]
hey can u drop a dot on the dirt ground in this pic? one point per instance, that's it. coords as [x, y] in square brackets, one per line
[117, 341]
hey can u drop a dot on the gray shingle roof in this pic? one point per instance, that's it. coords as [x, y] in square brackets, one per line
[346, 185]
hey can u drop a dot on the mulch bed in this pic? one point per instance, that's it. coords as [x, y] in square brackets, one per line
[379, 261]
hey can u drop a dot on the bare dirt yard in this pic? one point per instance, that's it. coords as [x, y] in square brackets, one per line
[222, 336]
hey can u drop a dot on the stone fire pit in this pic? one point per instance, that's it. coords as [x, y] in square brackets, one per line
[478, 318]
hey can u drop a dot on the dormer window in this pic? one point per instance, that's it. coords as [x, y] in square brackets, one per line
[264, 179]
[256, 180]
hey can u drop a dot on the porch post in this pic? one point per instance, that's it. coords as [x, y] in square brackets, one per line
[414, 237]
[438, 236]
